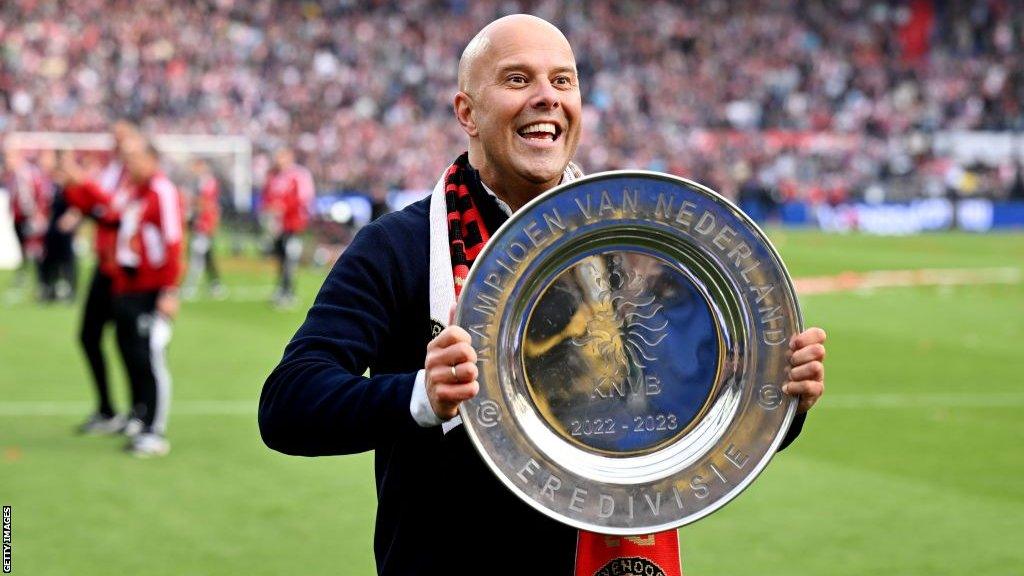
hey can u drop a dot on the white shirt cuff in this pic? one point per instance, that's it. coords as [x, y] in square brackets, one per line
[419, 405]
[422, 412]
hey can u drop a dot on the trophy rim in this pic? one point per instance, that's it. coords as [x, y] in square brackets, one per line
[789, 401]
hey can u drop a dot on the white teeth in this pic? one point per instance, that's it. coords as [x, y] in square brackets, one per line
[546, 127]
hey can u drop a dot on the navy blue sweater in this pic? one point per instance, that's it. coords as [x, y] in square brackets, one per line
[440, 510]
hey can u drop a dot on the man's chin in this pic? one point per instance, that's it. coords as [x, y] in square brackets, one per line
[546, 172]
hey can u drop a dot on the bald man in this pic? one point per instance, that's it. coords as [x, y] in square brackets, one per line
[384, 307]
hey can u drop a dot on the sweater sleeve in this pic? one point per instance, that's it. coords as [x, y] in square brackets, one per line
[91, 200]
[794, 431]
[318, 401]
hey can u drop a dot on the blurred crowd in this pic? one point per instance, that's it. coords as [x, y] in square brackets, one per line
[818, 100]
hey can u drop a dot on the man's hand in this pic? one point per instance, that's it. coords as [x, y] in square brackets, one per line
[450, 371]
[69, 220]
[167, 303]
[807, 372]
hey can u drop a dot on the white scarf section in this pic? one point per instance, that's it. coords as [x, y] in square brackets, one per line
[442, 282]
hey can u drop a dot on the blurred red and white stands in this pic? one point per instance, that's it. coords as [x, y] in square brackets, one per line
[786, 106]
[230, 155]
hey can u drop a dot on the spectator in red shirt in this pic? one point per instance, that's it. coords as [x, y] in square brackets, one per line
[149, 239]
[30, 208]
[284, 210]
[204, 218]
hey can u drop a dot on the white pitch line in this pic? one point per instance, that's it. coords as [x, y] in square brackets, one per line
[253, 293]
[182, 407]
[850, 281]
[31, 408]
[843, 282]
[872, 401]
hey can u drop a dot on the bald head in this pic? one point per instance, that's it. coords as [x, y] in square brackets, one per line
[479, 52]
[123, 130]
[140, 158]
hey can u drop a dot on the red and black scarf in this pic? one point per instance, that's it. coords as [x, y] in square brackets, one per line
[472, 215]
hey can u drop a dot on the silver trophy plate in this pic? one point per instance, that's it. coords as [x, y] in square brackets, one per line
[632, 331]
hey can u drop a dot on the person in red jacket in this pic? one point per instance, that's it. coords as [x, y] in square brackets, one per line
[284, 209]
[30, 205]
[204, 218]
[101, 201]
[148, 255]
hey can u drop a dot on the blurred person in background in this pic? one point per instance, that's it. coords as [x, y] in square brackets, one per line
[284, 213]
[148, 255]
[102, 202]
[60, 270]
[385, 305]
[1016, 191]
[203, 220]
[30, 206]
[379, 205]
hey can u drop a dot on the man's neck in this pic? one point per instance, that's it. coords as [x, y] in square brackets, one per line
[515, 193]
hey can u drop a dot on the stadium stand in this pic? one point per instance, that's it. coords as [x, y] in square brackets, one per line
[811, 100]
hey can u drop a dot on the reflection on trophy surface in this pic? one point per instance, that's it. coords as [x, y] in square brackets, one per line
[620, 353]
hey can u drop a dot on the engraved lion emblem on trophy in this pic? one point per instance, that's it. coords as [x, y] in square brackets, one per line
[621, 328]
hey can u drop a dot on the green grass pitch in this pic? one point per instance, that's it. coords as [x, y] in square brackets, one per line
[912, 464]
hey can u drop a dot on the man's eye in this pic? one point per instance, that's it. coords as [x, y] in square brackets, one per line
[517, 79]
[565, 82]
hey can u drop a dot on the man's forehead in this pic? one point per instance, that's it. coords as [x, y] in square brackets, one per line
[521, 40]
[528, 41]
[523, 55]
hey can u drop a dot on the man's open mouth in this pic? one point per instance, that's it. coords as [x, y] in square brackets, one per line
[540, 131]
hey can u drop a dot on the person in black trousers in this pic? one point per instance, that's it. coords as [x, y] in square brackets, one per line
[60, 271]
[99, 201]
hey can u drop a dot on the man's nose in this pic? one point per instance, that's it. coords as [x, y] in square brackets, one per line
[546, 96]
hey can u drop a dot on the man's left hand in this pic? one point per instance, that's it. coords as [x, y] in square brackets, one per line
[167, 303]
[807, 368]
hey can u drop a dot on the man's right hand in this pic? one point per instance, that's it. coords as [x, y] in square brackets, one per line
[69, 220]
[447, 388]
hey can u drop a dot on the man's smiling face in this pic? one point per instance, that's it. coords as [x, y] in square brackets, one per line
[520, 104]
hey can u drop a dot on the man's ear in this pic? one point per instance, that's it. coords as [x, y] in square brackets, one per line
[464, 113]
